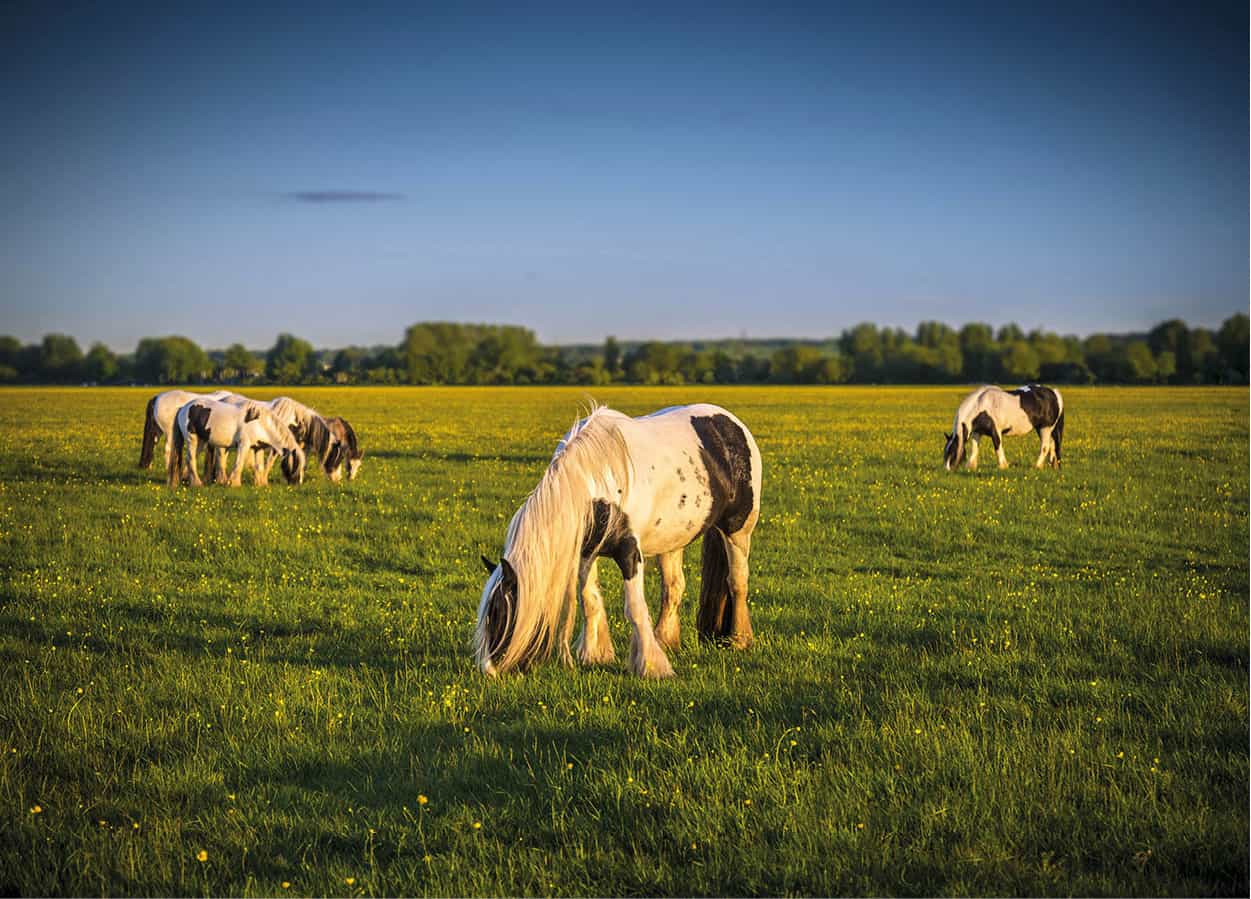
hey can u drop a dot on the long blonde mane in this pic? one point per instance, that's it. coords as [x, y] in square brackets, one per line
[545, 538]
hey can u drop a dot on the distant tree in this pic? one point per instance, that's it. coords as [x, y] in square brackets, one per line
[832, 370]
[436, 353]
[290, 360]
[1232, 341]
[795, 364]
[60, 359]
[1101, 357]
[1018, 361]
[170, 360]
[1137, 363]
[1009, 333]
[863, 346]
[10, 353]
[10, 350]
[612, 355]
[980, 352]
[1165, 366]
[1206, 366]
[1065, 373]
[935, 334]
[239, 363]
[100, 365]
[655, 362]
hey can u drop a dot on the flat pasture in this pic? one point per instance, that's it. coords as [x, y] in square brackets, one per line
[1000, 682]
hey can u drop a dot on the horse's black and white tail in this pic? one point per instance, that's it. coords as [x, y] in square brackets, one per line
[715, 610]
[150, 433]
[1057, 434]
[177, 444]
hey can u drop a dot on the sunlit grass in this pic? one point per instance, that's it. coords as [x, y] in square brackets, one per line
[1004, 682]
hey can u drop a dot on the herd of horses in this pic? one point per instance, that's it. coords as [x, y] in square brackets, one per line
[260, 432]
[626, 489]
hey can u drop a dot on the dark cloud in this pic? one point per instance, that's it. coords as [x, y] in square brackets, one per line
[342, 196]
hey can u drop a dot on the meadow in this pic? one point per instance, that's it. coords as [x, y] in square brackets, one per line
[1001, 682]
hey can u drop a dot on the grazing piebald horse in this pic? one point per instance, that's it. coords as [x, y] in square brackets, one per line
[345, 451]
[995, 413]
[307, 427]
[629, 489]
[221, 426]
[158, 420]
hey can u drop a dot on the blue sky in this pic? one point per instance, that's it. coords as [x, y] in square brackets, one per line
[673, 171]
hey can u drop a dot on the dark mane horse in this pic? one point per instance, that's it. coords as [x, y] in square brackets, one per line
[345, 450]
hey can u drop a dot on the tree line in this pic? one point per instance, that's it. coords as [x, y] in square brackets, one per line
[454, 353]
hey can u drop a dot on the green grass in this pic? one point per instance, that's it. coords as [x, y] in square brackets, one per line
[1013, 682]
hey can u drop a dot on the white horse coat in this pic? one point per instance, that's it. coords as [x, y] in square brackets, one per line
[309, 429]
[629, 489]
[222, 426]
[995, 413]
[158, 419]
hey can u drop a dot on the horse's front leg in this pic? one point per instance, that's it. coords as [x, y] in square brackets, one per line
[595, 642]
[672, 585]
[997, 440]
[271, 456]
[647, 656]
[973, 447]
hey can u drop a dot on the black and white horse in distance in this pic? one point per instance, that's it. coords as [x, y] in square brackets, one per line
[345, 452]
[158, 420]
[996, 413]
[629, 489]
[222, 426]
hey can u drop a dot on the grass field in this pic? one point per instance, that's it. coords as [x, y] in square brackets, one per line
[1013, 682]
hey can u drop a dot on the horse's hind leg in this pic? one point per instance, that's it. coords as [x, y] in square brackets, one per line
[997, 439]
[192, 451]
[738, 548]
[595, 643]
[672, 585]
[1045, 449]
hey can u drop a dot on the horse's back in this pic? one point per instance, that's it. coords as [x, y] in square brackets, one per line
[696, 467]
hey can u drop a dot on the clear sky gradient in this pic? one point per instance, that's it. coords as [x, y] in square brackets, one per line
[676, 171]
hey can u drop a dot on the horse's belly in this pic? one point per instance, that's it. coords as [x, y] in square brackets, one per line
[1016, 423]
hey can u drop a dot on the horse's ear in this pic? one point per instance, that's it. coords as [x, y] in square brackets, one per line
[946, 436]
[510, 576]
[488, 565]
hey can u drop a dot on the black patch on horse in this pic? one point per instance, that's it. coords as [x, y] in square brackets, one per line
[198, 421]
[499, 613]
[1040, 404]
[252, 414]
[727, 459]
[290, 467]
[983, 424]
[610, 535]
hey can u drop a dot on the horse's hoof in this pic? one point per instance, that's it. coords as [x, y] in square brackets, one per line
[669, 638]
[657, 671]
